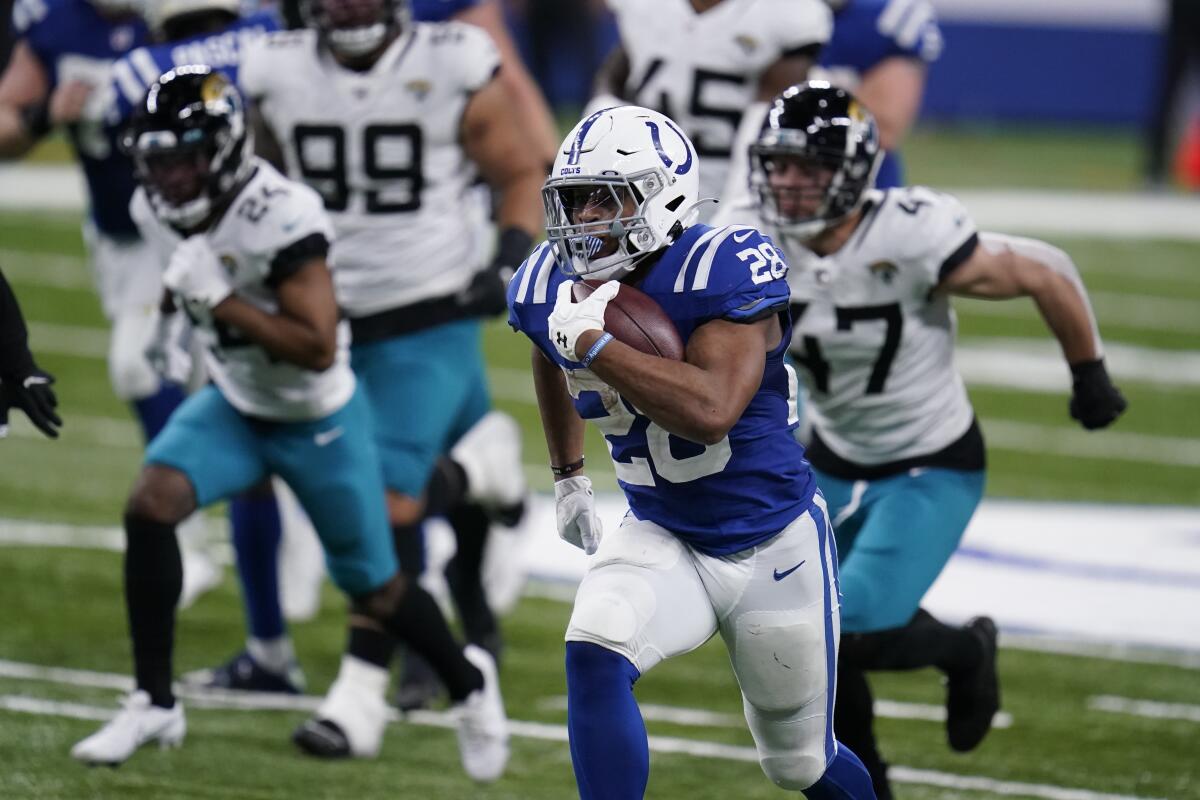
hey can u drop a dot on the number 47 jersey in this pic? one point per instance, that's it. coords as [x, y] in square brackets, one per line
[725, 497]
[875, 342]
[382, 148]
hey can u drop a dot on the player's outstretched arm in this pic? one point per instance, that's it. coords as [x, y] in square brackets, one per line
[892, 89]
[24, 102]
[1004, 267]
[532, 110]
[702, 397]
[560, 422]
[494, 139]
[304, 332]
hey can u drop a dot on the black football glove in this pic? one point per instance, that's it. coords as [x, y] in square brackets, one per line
[1095, 402]
[33, 395]
[486, 296]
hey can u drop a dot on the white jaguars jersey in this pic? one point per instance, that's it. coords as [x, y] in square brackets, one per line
[382, 147]
[876, 347]
[269, 214]
[702, 70]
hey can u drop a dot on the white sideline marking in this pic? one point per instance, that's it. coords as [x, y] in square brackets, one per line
[695, 717]
[1037, 365]
[45, 269]
[523, 728]
[1144, 708]
[1142, 312]
[1117, 445]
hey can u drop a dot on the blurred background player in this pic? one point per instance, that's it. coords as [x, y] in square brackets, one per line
[23, 385]
[704, 63]
[247, 253]
[895, 445]
[388, 119]
[881, 50]
[56, 77]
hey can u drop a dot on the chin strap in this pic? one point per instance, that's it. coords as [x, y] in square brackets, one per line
[689, 217]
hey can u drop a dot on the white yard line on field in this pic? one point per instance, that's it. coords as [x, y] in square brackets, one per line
[522, 728]
[694, 717]
[1152, 709]
[45, 269]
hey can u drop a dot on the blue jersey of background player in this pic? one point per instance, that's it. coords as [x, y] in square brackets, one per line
[728, 496]
[74, 40]
[220, 49]
[890, 43]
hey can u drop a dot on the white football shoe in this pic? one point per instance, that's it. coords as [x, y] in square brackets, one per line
[490, 455]
[482, 723]
[352, 718]
[138, 723]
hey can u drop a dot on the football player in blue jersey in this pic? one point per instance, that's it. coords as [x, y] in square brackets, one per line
[63, 48]
[881, 50]
[247, 252]
[727, 532]
[895, 445]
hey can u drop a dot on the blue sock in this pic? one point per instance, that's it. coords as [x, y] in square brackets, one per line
[154, 411]
[256, 534]
[845, 778]
[607, 734]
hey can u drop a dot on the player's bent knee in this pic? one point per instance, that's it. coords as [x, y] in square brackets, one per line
[794, 772]
[161, 494]
[611, 610]
[781, 661]
[382, 602]
[404, 510]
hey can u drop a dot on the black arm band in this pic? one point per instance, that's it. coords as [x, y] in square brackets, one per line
[513, 247]
[36, 119]
[567, 469]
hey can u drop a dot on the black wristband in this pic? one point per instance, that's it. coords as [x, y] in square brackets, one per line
[567, 469]
[36, 119]
[1087, 370]
[513, 248]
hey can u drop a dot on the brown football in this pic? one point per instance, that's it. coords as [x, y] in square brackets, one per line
[632, 317]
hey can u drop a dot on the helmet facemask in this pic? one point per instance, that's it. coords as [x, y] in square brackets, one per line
[598, 222]
[354, 29]
[189, 165]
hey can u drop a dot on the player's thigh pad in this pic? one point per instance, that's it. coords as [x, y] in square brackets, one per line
[418, 387]
[332, 465]
[127, 272]
[781, 631]
[911, 526]
[219, 450]
[642, 597]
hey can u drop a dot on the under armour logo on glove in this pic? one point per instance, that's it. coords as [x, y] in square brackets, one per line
[569, 320]
[561, 339]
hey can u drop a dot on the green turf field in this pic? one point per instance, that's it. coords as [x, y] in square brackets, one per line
[63, 607]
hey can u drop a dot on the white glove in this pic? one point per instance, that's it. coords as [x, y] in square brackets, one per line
[169, 348]
[196, 276]
[569, 319]
[575, 509]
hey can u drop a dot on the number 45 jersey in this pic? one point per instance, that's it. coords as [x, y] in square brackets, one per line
[382, 148]
[875, 343]
[721, 498]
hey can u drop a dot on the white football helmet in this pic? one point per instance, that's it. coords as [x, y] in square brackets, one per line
[159, 12]
[626, 183]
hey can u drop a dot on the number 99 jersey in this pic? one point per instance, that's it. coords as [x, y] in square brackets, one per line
[702, 69]
[382, 148]
[721, 498]
[875, 343]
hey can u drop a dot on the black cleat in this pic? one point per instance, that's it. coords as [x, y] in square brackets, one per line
[973, 696]
[419, 684]
[243, 674]
[322, 738]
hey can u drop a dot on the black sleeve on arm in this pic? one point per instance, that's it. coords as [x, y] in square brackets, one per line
[15, 358]
[291, 259]
[958, 257]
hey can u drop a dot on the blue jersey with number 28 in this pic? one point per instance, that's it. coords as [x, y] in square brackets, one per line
[729, 496]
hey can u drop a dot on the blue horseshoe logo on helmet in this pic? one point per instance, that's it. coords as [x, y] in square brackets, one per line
[683, 168]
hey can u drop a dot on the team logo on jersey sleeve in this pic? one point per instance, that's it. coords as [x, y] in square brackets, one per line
[748, 43]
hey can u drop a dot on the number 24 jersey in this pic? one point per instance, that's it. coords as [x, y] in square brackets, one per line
[721, 498]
